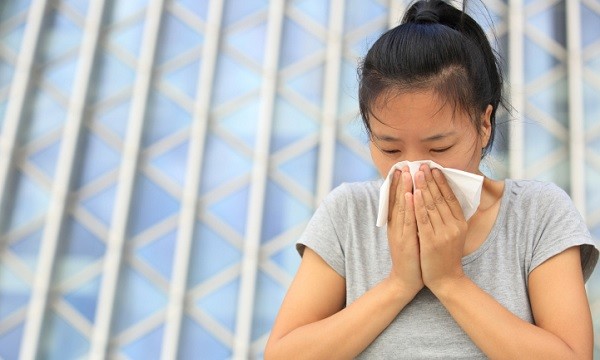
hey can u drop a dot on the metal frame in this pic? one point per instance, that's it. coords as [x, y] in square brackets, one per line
[62, 182]
[517, 93]
[131, 151]
[259, 180]
[189, 198]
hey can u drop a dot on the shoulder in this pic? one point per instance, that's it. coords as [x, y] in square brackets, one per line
[354, 192]
[535, 193]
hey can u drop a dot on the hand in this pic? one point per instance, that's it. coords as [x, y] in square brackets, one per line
[442, 228]
[402, 234]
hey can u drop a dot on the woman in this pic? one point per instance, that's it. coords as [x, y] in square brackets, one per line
[507, 283]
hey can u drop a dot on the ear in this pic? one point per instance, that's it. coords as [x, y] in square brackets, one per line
[486, 125]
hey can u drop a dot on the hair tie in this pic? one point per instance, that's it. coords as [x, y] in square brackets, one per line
[427, 16]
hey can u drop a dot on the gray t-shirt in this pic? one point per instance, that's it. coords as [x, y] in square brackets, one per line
[536, 221]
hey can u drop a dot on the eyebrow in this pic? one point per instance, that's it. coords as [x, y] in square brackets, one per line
[427, 139]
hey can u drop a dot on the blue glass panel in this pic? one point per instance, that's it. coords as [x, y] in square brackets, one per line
[288, 259]
[185, 78]
[129, 38]
[2, 111]
[230, 72]
[297, 43]
[78, 249]
[362, 45]
[242, 123]
[197, 343]
[282, 212]
[250, 42]
[12, 39]
[147, 346]
[551, 22]
[594, 64]
[233, 210]
[350, 167]
[537, 61]
[46, 158]
[62, 75]
[217, 153]
[164, 117]
[30, 201]
[173, 162]
[268, 298]
[27, 248]
[137, 298]
[303, 169]
[553, 100]
[115, 118]
[9, 9]
[360, 12]
[592, 179]
[97, 158]
[309, 85]
[111, 76]
[43, 115]
[235, 10]
[80, 5]
[356, 130]
[151, 205]
[558, 174]
[60, 36]
[101, 204]
[159, 253]
[590, 25]
[121, 10]
[14, 292]
[203, 262]
[317, 10]
[348, 90]
[539, 142]
[591, 105]
[10, 341]
[290, 124]
[222, 303]
[61, 340]
[200, 8]
[175, 39]
[6, 73]
[85, 298]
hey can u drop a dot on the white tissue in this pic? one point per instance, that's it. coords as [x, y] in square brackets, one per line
[466, 187]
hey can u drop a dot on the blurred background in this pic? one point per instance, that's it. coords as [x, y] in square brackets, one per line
[159, 158]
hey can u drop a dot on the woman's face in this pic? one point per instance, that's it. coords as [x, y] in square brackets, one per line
[419, 126]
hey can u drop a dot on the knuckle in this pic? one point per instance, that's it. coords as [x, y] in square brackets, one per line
[450, 198]
[438, 199]
[430, 206]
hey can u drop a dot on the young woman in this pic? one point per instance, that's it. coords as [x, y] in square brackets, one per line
[507, 283]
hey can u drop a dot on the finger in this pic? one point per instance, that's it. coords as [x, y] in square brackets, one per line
[392, 195]
[436, 194]
[448, 194]
[432, 211]
[410, 222]
[422, 216]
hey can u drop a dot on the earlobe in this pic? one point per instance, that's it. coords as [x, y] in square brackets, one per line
[486, 125]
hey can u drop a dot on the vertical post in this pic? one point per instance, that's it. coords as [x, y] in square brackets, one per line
[18, 93]
[576, 106]
[62, 183]
[131, 151]
[189, 198]
[517, 84]
[335, 42]
[259, 181]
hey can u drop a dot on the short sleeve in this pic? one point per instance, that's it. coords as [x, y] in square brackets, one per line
[560, 227]
[323, 234]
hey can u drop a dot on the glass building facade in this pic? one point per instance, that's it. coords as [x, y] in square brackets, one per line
[159, 158]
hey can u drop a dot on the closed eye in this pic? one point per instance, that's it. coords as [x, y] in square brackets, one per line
[441, 150]
[390, 151]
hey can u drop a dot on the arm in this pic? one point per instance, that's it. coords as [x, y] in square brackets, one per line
[313, 323]
[563, 328]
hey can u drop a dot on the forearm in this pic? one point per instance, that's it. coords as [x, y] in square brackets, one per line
[495, 330]
[346, 333]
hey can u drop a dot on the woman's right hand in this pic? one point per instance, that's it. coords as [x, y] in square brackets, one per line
[402, 234]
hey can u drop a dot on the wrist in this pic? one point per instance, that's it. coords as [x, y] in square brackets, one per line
[400, 291]
[445, 288]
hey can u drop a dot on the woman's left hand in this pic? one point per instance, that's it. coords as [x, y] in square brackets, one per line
[442, 228]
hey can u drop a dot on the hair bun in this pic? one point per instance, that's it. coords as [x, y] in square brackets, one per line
[426, 16]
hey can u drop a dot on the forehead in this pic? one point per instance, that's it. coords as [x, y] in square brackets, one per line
[416, 111]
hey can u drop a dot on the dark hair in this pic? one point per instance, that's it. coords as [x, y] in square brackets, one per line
[436, 47]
